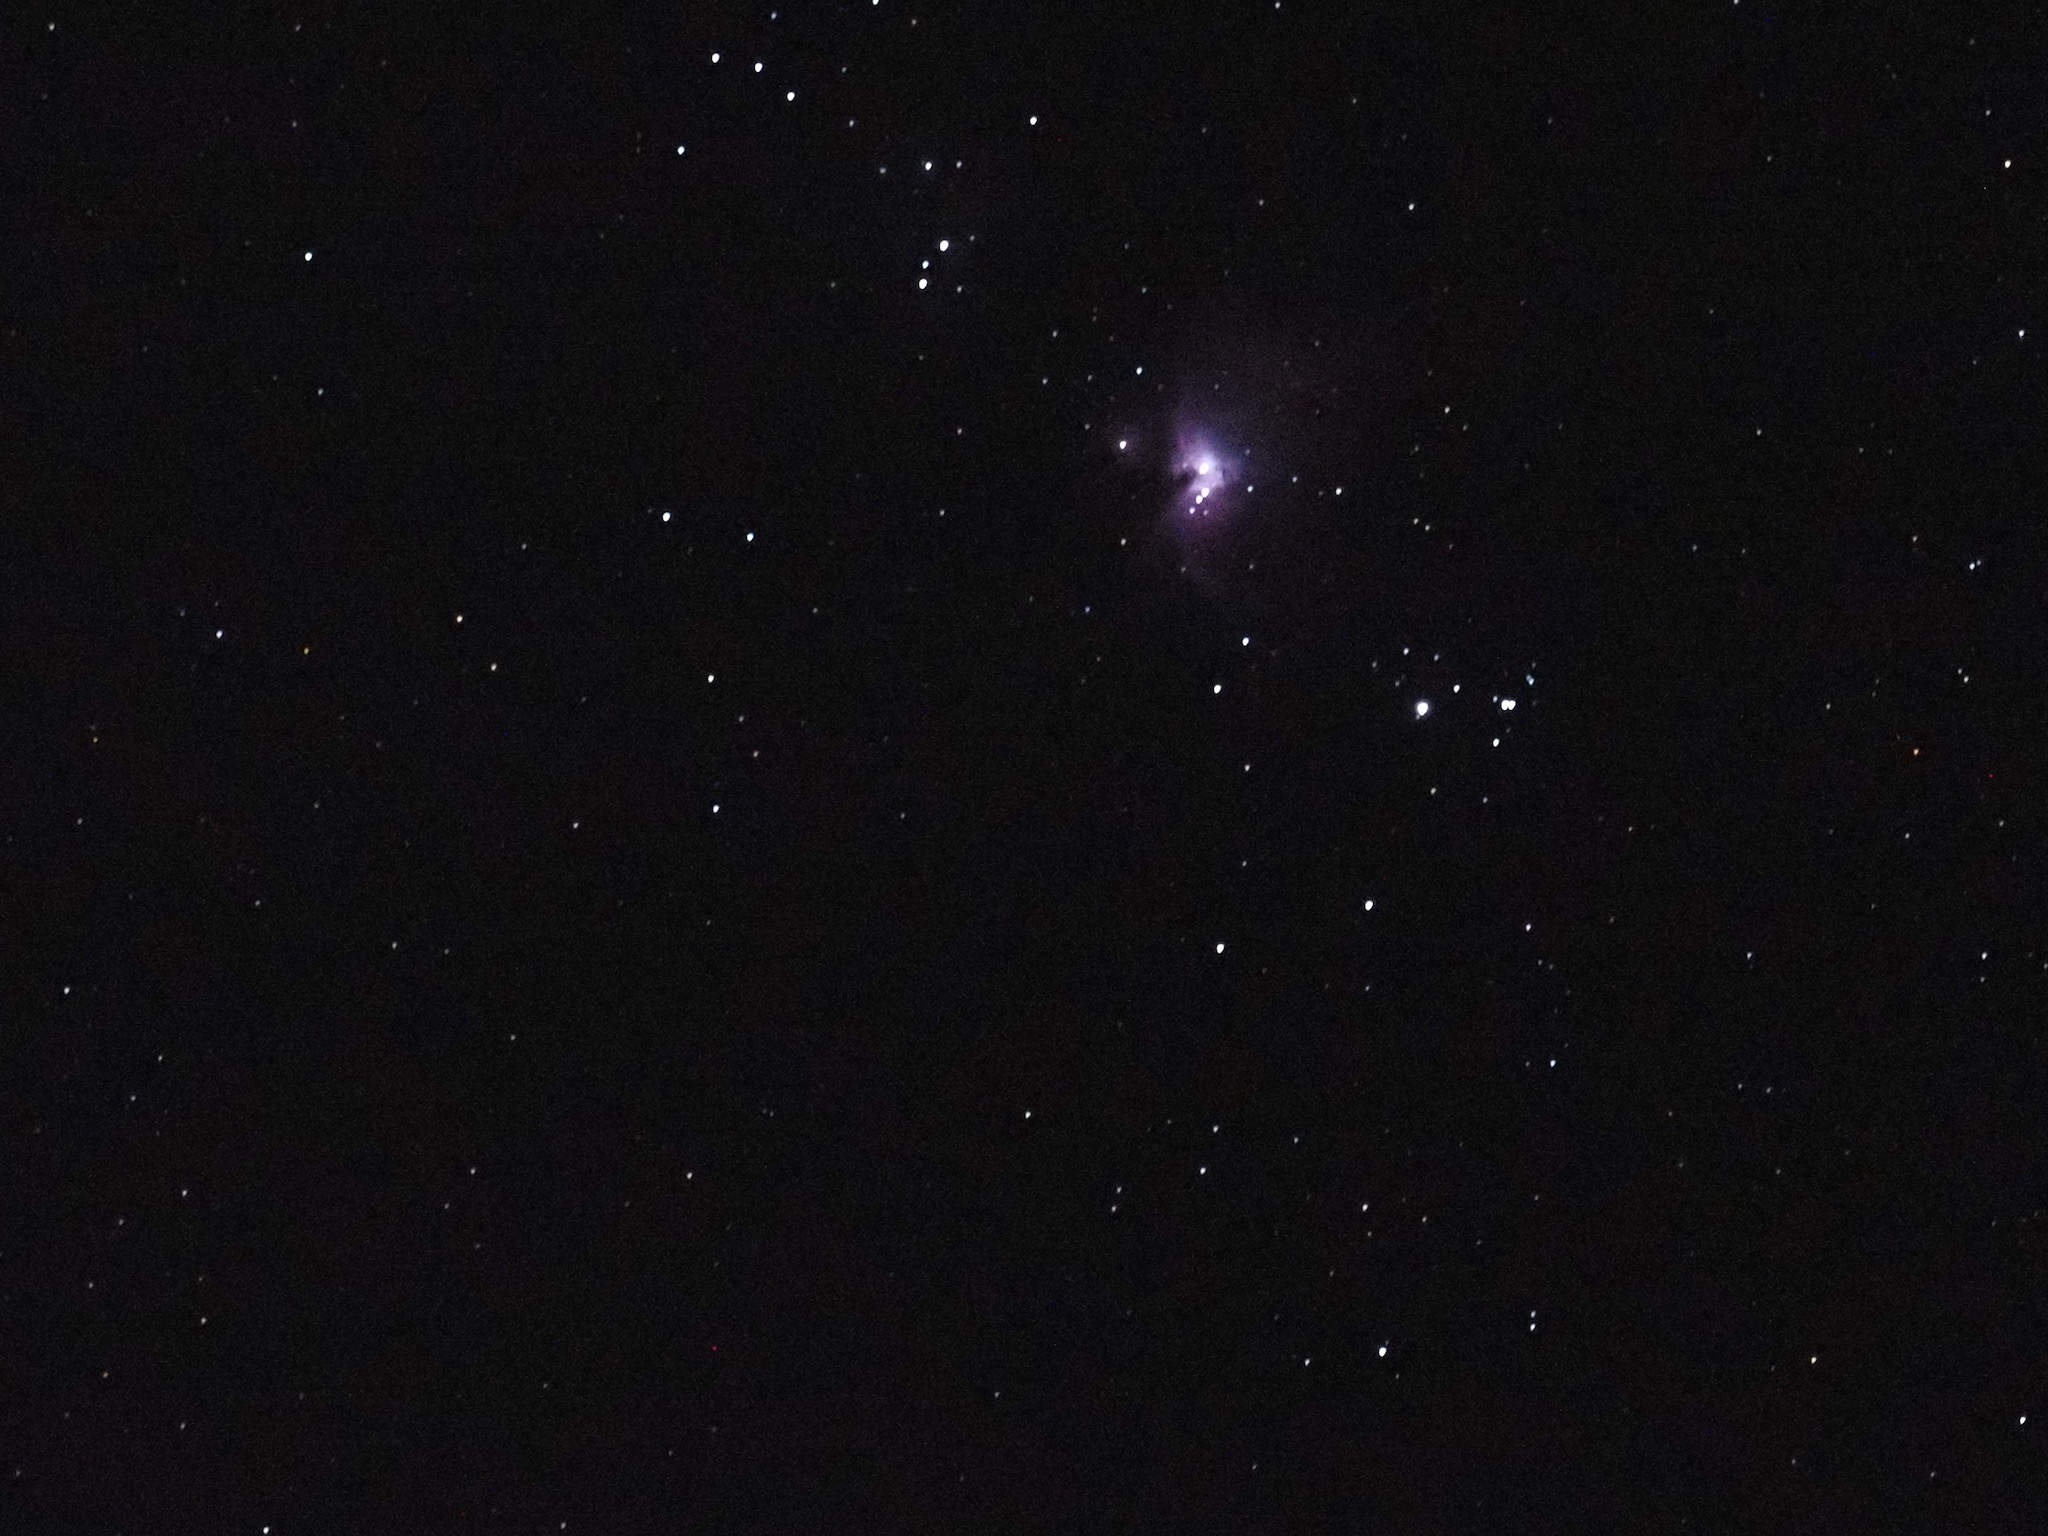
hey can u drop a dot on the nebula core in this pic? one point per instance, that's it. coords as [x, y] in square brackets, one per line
[1208, 481]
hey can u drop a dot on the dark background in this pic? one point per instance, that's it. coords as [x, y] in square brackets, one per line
[464, 1069]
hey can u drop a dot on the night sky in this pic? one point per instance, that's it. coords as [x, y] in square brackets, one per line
[1024, 767]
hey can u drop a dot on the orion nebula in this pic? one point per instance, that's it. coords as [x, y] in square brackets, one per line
[1202, 490]
[1223, 447]
[1208, 480]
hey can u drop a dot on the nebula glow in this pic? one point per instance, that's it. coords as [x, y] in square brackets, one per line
[1208, 479]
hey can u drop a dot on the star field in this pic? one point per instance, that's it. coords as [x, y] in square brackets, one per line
[888, 766]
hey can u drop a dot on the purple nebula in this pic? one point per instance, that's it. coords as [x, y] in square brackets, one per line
[1207, 478]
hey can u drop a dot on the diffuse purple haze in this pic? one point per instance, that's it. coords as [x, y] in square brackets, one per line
[1246, 406]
